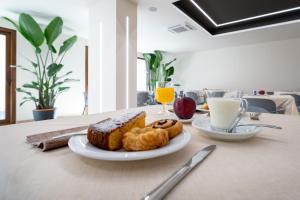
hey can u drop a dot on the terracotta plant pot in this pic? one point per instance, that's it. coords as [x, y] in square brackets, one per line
[43, 114]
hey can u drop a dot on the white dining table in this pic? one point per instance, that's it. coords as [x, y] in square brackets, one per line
[286, 102]
[286, 92]
[264, 167]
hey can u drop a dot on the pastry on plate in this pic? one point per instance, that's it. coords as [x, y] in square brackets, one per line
[142, 139]
[108, 134]
[205, 106]
[174, 127]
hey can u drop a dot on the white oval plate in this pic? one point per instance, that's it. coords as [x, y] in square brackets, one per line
[241, 133]
[81, 146]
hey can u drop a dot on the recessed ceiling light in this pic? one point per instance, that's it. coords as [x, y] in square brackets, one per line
[219, 18]
[152, 9]
[242, 20]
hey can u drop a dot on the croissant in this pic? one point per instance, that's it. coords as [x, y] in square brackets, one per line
[141, 139]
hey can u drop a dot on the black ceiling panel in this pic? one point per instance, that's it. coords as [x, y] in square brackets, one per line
[223, 16]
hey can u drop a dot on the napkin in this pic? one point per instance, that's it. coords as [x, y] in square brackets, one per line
[56, 139]
[50, 140]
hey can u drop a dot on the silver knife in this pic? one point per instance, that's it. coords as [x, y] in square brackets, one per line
[165, 187]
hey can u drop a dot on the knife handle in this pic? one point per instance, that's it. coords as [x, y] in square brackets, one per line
[165, 187]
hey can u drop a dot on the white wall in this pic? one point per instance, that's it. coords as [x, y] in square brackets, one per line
[270, 66]
[69, 103]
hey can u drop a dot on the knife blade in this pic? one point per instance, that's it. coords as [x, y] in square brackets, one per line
[165, 187]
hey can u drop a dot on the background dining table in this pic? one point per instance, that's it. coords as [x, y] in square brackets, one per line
[287, 102]
[264, 167]
[286, 92]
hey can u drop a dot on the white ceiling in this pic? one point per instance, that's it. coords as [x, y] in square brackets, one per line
[153, 31]
[73, 12]
[152, 26]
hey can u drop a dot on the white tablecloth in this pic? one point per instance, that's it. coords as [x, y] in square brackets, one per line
[263, 168]
[282, 93]
[286, 102]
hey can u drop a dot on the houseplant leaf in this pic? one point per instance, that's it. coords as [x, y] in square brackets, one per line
[12, 22]
[170, 71]
[70, 80]
[158, 54]
[26, 99]
[56, 84]
[66, 74]
[38, 50]
[21, 104]
[30, 29]
[24, 91]
[52, 48]
[150, 59]
[25, 69]
[67, 44]
[158, 59]
[169, 63]
[62, 82]
[52, 31]
[62, 89]
[34, 64]
[53, 69]
[32, 85]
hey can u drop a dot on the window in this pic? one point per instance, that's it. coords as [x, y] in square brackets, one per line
[7, 76]
[2, 76]
[141, 75]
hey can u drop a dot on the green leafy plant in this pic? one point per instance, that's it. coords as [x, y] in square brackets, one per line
[153, 61]
[166, 71]
[49, 83]
[156, 70]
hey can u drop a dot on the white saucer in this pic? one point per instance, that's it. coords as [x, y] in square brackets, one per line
[241, 133]
[81, 146]
[200, 107]
[186, 121]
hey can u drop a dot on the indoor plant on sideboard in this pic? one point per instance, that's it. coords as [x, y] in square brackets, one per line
[49, 83]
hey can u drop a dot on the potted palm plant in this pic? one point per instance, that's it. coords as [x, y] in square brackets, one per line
[156, 70]
[46, 67]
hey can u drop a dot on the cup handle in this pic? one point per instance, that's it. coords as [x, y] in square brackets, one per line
[244, 106]
[243, 110]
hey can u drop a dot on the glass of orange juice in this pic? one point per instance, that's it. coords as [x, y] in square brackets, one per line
[164, 94]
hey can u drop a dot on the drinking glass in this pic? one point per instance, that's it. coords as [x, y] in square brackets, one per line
[164, 94]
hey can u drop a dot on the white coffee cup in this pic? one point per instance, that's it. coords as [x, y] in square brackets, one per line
[225, 111]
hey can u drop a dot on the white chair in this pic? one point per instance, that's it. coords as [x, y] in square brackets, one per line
[196, 95]
[234, 94]
[215, 93]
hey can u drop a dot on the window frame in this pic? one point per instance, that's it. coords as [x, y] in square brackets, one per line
[10, 88]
